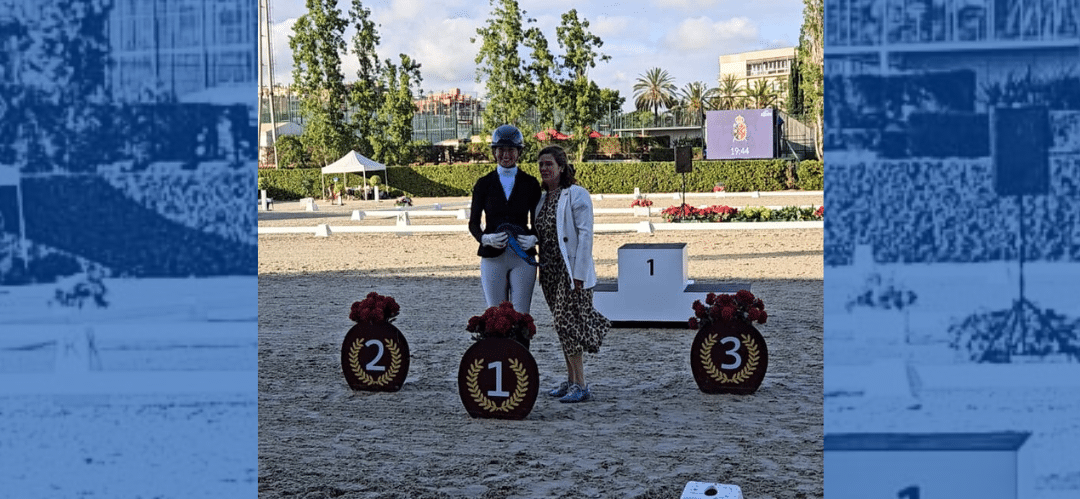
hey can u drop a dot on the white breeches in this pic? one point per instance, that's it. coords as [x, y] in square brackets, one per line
[508, 278]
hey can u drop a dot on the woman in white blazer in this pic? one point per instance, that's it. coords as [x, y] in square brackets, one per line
[564, 225]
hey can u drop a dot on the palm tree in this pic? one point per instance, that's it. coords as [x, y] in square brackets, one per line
[761, 94]
[654, 90]
[696, 98]
[730, 93]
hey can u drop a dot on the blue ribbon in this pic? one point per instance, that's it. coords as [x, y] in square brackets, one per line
[512, 231]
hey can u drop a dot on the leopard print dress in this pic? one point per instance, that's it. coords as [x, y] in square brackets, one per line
[579, 326]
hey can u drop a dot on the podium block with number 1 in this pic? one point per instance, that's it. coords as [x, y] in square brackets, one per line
[653, 286]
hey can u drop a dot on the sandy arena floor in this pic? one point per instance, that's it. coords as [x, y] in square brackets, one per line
[648, 432]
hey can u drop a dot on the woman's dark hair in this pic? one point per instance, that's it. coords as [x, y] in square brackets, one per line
[567, 177]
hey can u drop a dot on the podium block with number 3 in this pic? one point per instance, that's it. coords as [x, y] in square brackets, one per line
[729, 358]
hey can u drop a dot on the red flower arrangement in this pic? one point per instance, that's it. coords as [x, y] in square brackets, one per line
[708, 214]
[375, 309]
[643, 202]
[502, 322]
[742, 305]
[820, 212]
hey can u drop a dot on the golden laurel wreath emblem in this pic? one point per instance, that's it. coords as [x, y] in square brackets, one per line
[472, 382]
[753, 355]
[362, 375]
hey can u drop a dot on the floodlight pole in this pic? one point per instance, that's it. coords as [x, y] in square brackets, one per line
[683, 188]
[1023, 240]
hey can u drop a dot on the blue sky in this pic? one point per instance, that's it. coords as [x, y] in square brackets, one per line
[684, 37]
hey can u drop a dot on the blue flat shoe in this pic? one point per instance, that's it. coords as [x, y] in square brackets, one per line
[576, 394]
[560, 390]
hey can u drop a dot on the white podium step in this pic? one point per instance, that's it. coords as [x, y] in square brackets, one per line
[653, 287]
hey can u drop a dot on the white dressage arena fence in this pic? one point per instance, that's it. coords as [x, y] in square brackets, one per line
[168, 342]
[82, 355]
[643, 226]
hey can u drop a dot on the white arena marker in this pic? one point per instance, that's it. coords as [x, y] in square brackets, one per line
[646, 227]
[463, 214]
[357, 215]
[702, 490]
[403, 218]
[323, 230]
[73, 351]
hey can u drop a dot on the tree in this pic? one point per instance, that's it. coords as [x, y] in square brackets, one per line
[729, 95]
[696, 97]
[793, 103]
[317, 44]
[291, 152]
[654, 91]
[56, 112]
[394, 144]
[611, 104]
[364, 91]
[638, 119]
[810, 63]
[500, 67]
[583, 106]
[544, 74]
[760, 95]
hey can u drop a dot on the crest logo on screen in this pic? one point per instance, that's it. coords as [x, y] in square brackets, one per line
[738, 130]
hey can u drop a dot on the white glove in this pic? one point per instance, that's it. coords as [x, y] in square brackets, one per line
[526, 242]
[494, 240]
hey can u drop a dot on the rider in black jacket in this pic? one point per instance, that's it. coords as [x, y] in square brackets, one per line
[507, 199]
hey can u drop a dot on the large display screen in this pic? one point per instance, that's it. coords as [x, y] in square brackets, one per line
[740, 134]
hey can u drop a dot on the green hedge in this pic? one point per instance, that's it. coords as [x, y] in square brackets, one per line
[289, 183]
[810, 175]
[607, 178]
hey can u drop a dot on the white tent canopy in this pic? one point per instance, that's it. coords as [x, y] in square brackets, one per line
[354, 162]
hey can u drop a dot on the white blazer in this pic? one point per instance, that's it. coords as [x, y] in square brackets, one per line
[574, 226]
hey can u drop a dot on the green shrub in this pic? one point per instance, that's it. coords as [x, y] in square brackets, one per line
[754, 214]
[602, 178]
[810, 175]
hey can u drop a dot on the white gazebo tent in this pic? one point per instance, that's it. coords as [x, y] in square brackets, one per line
[354, 162]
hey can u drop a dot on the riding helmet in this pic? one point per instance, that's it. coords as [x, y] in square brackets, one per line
[507, 136]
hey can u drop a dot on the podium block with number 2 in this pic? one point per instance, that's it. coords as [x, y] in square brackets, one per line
[375, 357]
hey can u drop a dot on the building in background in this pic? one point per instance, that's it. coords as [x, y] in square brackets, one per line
[447, 116]
[771, 65]
[170, 49]
[997, 39]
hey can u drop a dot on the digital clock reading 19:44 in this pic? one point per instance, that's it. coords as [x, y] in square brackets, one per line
[735, 151]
